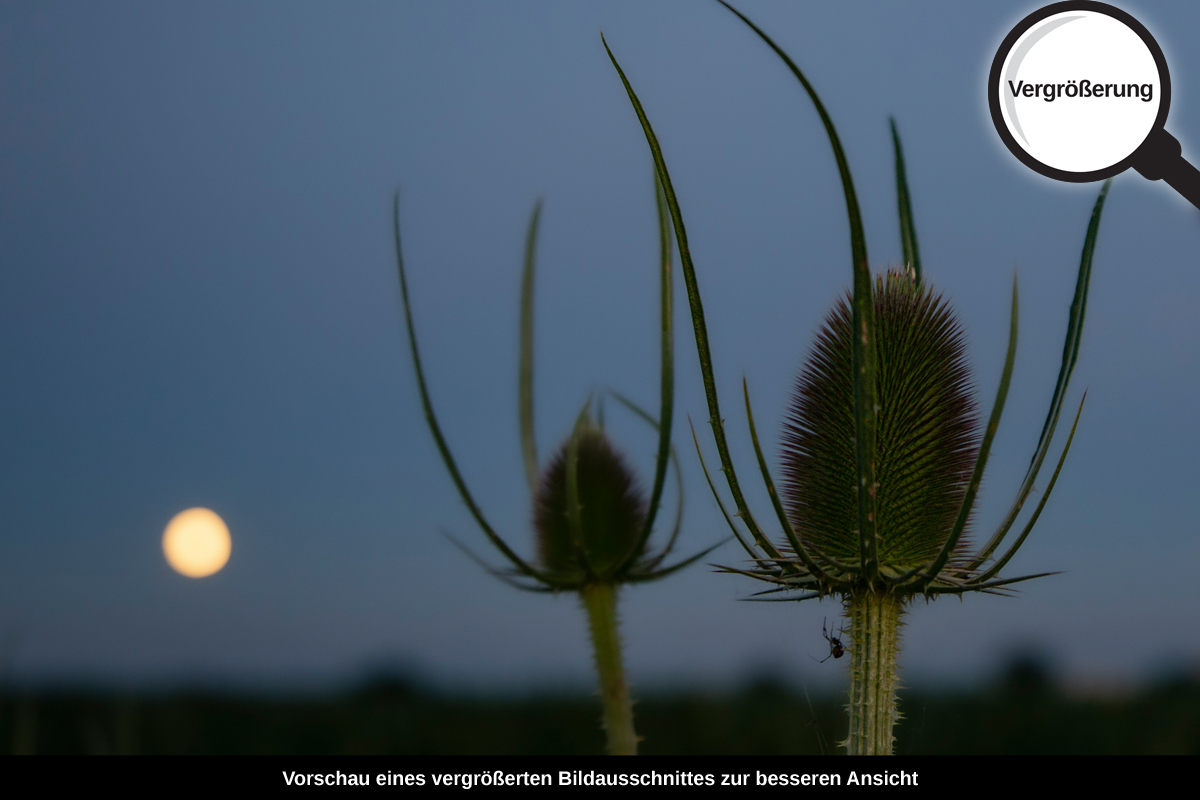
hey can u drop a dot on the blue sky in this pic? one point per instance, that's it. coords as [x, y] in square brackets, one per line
[199, 306]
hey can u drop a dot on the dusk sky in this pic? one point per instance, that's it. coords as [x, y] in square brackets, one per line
[199, 306]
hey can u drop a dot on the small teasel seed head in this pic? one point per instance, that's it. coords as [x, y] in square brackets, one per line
[613, 511]
[927, 435]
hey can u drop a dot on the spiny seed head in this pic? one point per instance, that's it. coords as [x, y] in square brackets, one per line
[612, 511]
[927, 434]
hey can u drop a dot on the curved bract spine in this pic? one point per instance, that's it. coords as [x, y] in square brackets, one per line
[667, 371]
[698, 323]
[525, 362]
[862, 328]
[431, 418]
[1070, 356]
[908, 228]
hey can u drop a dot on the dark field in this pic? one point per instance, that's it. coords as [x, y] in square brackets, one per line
[1024, 714]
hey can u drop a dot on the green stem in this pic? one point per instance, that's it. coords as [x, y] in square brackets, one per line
[600, 601]
[875, 639]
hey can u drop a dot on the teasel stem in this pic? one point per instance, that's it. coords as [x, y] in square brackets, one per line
[875, 641]
[600, 601]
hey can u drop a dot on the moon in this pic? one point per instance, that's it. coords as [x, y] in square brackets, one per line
[196, 543]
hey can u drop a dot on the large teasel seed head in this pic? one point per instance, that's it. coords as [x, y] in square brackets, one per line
[882, 454]
[612, 510]
[927, 438]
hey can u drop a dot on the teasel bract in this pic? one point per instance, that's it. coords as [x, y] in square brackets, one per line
[883, 455]
[591, 518]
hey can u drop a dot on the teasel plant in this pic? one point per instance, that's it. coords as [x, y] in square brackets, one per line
[883, 452]
[592, 521]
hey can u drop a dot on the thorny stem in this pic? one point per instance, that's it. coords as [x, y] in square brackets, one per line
[600, 601]
[875, 639]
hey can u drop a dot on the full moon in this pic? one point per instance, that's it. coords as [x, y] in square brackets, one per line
[196, 543]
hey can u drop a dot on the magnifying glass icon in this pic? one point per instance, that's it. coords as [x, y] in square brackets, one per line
[1079, 91]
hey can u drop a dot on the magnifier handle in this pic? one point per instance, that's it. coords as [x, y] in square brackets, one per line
[1161, 158]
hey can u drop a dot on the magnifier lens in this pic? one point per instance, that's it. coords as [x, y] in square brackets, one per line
[1080, 91]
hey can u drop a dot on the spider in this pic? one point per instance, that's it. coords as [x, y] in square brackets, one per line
[836, 648]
